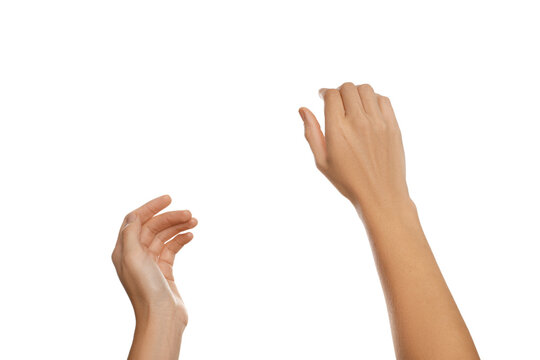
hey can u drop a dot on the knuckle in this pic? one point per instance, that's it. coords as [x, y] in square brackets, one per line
[394, 129]
[347, 84]
[365, 88]
[185, 320]
[126, 217]
[330, 93]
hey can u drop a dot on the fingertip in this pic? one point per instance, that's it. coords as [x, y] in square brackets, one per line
[310, 119]
[131, 218]
[307, 116]
[186, 238]
[301, 111]
[163, 200]
[322, 91]
[194, 221]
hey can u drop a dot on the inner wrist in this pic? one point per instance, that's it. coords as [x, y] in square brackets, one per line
[172, 315]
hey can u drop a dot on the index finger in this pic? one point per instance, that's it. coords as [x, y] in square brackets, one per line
[151, 208]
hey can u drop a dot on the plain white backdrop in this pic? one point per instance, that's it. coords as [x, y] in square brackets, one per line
[107, 104]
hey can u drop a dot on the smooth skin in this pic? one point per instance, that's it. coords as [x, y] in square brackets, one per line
[144, 257]
[361, 153]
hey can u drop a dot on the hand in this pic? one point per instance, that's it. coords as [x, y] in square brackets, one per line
[144, 256]
[361, 152]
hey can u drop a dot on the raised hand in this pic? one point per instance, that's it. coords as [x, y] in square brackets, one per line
[144, 257]
[361, 152]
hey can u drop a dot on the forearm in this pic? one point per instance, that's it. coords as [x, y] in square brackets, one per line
[158, 335]
[425, 320]
[361, 153]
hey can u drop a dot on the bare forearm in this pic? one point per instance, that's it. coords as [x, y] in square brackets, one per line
[425, 320]
[361, 153]
[158, 335]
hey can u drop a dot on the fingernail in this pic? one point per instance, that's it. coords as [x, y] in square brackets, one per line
[322, 92]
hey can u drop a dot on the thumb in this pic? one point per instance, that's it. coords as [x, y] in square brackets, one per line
[314, 136]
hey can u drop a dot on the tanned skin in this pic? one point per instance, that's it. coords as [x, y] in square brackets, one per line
[144, 257]
[361, 153]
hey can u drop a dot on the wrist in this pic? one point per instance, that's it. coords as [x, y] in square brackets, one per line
[171, 316]
[393, 212]
[158, 334]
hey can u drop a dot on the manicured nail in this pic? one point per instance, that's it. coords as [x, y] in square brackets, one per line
[322, 92]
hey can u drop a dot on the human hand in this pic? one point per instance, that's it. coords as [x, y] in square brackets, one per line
[361, 152]
[144, 257]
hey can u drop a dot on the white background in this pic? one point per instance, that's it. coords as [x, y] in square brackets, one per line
[107, 104]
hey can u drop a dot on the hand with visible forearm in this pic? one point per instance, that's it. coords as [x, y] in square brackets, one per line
[361, 153]
[144, 257]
